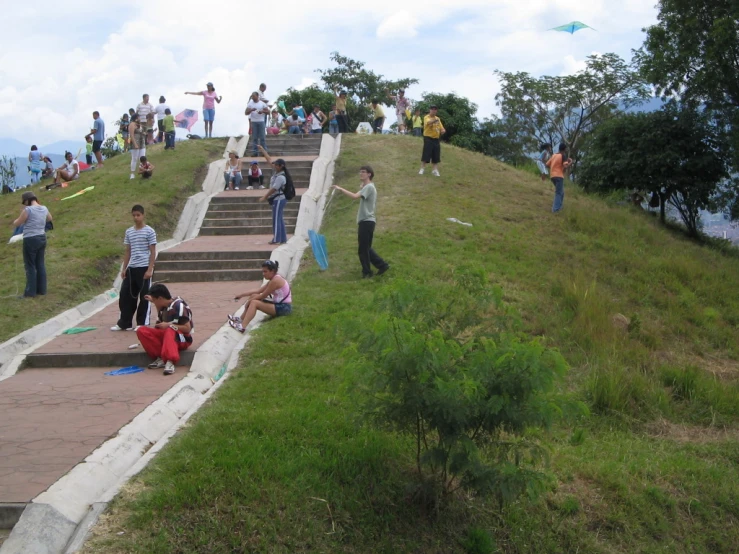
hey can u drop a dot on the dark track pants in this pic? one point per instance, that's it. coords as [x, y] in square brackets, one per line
[131, 300]
[368, 256]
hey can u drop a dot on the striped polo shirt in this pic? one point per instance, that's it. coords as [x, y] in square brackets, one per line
[140, 240]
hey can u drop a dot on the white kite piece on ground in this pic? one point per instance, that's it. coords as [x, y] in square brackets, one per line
[364, 128]
[455, 220]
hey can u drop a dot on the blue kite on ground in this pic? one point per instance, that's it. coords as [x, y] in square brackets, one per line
[571, 27]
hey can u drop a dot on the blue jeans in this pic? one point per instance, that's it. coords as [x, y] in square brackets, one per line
[169, 139]
[237, 178]
[559, 193]
[278, 221]
[258, 130]
[295, 130]
[316, 131]
[34, 249]
[333, 127]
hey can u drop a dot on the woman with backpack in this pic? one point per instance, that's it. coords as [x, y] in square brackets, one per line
[279, 305]
[281, 189]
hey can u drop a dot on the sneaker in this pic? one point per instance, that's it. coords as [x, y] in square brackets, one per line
[132, 176]
[261, 186]
[237, 325]
[234, 318]
[383, 270]
[116, 328]
[156, 364]
[249, 188]
[435, 172]
[168, 368]
[420, 171]
[236, 188]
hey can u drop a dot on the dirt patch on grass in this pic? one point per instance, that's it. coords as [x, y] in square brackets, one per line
[721, 368]
[693, 434]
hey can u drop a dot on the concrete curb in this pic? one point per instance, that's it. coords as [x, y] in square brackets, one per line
[59, 519]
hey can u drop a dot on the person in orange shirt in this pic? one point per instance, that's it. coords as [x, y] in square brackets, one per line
[557, 165]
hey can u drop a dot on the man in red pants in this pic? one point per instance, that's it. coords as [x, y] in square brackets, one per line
[170, 334]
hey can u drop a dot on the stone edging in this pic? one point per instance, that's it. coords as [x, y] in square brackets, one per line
[59, 519]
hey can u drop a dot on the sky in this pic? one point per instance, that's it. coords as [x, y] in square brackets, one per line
[92, 55]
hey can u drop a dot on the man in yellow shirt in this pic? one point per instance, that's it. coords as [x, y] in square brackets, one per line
[378, 117]
[432, 130]
[341, 117]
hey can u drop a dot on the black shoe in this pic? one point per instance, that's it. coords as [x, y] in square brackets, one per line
[383, 270]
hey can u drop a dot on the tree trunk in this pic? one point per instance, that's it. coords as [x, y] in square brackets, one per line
[662, 201]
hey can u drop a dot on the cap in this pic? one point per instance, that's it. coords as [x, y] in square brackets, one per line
[342, 93]
[27, 197]
[255, 163]
[209, 85]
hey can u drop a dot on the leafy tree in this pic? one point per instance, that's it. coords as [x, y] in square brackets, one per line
[362, 85]
[308, 97]
[8, 171]
[692, 53]
[674, 153]
[455, 373]
[457, 114]
[553, 109]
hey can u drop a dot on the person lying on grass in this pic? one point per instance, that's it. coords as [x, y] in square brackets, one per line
[277, 287]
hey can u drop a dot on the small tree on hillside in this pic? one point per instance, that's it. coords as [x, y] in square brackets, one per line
[676, 154]
[457, 114]
[308, 97]
[554, 109]
[456, 374]
[8, 171]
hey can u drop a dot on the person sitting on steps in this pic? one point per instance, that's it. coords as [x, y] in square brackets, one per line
[171, 333]
[255, 176]
[233, 171]
[277, 287]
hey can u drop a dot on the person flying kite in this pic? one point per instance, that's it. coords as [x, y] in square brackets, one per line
[571, 27]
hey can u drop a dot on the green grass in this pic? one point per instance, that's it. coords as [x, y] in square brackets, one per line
[85, 249]
[283, 460]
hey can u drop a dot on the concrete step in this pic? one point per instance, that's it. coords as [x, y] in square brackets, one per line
[246, 222]
[251, 211]
[233, 201]
[99, 359]
[255, 230]
[220, 255]
[205, 276]
[207, 265]
[295, 173]
[265, 167]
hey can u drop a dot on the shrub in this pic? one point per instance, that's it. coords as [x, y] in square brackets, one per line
[455, 373]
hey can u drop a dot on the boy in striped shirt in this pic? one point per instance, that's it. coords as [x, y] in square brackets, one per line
[138, 267]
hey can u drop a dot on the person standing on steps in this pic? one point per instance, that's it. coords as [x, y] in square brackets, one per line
[333, 123]
[256, 110]
[98, 136]
[34, 218]
[138, 267]
[557, 165]
[319, 120]
[432, 131]
[275, 195]
[161, 110]
[170, 334]
[209, 107]
[277, 287]
[146, 113]
[341, 116]
[137, 140]
[366, 222]
[263, 98]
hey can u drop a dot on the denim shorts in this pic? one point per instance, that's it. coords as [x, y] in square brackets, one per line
[209, 115]
[283, 308]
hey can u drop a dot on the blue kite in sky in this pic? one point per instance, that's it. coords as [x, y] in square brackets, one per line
[571, 27]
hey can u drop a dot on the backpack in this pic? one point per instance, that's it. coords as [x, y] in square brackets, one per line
[289, 188]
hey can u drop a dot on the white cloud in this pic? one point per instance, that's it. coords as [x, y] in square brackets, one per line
[402, 24]
[52, 78]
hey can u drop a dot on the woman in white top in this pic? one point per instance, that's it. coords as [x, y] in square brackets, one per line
[69, 171]
[33, 218]
[233, 171]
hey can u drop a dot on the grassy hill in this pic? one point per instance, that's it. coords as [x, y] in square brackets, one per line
[86, 247]
[282, 460]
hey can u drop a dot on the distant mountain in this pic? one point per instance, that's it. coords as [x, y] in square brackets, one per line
[62, 146]
[11, 147]
[651, 105]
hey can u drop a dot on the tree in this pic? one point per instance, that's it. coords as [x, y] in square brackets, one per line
[457, 114]
[362, 85]
[449, 366]
[675, 153]
[554, 109]
[693, 54]
[8, 171]
[308, 97]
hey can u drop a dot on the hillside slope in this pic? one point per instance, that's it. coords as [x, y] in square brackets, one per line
[85, 248]
[282, 460]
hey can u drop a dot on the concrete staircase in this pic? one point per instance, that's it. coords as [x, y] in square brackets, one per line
[184, 267]
[245, 215]
[289, 145]
[299, 171]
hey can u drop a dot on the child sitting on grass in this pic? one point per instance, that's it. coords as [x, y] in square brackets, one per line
[146, 169]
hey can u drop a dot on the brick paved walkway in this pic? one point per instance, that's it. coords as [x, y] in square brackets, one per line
[52, 419]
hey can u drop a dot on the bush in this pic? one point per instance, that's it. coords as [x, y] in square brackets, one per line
[455, 373]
